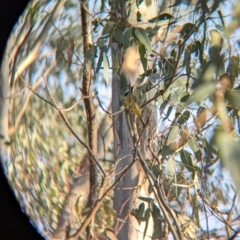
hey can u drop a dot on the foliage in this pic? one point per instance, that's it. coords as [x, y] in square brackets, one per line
[195, 75]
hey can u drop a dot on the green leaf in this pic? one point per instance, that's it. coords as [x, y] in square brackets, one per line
[157, 221]
[140, 211]
[146, 218]
[146, 199]
[147, 215]
[168, 112]
[172, 135]
[127, 37]
[183, 118]
[171, 168]
[202, 92]
[101, 42]
[150, 188]
[142, 51]
[164, 104]
[186, 98]
[156, 170]
[233, 66]
[139, 15]
[118, 35]
[123, 86]
[161, 17]
[169, 70]
[108, 28]
[138, 2]
[187, 160]
[209, 149]
[143, 38]
[166, 150]
[233, 97]
[192, 144]
[229, 151]
[187, 58]
[100, 59]
[105, 67]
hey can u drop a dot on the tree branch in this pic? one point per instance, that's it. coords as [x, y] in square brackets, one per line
[88, 102]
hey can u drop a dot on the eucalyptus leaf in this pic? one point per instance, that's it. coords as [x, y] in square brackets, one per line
[100, 59]
[102, 42]
[195, 148]
[172, 135]
[161, 17]
[202, 92]
[142, 51]
[192, 144]
[229, 151]
[233, 97]
[143, 38]
[157, 222]
[168, 112]
[147, 214]
[127, 36]
[146, 199]
[187, 160]
[123, 86]
[118, 36]
[140, 211]
[183, 117]
[166, 150]
[171, 168]
[139, 15]
[106, 67]
[156, 170]
[108, 28]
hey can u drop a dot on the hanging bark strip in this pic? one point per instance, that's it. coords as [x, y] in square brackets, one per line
[88, 102]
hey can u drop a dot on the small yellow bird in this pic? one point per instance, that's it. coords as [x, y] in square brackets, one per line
[133, 106]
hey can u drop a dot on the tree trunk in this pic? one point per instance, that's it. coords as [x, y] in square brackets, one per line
[125, 190]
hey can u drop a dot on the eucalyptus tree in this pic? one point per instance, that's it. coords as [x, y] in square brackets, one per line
[157, 158]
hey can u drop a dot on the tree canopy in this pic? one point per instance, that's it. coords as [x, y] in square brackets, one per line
[185, 108]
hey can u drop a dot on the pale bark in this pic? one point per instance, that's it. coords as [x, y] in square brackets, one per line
[133, 184]
[125, 190]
